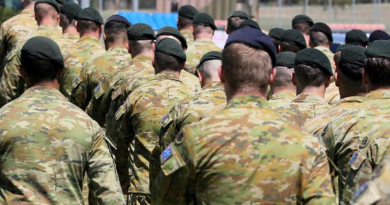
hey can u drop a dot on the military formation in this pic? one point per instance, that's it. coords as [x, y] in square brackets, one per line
[168, 117]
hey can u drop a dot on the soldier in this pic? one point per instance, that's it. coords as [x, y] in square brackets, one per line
[104, 66]
[292, 40]
[348, 139]
[228, 158]
[87, 48]
[203, 30]
[283, 91]
[312, 73]
[234, 21]
[349, 82]
[302, 23]
[186, 15]
[249, 23]
[275, 34]
[378, 35]
[46, 15]
[356, 37]
[68, 19]
[43, 160]
[140, 117]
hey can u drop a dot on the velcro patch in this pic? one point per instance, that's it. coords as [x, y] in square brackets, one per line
[167, 153]
[98, 91]
[120, 112]
[357, 160]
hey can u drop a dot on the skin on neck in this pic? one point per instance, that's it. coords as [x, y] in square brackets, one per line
[70, 30]
[320, 91]
[91, 34]
[149, 53]
[349, 88]
[203, 35]
[47, 22]
[52, 84]
[205, 81]
[230, 94]
[283, 89]
[369, 85]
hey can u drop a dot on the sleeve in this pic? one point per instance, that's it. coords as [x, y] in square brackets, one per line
[101, 171]
[79, 95]
[3, 49]
[99, 105]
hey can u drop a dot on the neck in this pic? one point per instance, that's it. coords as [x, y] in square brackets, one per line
[188, 28]
[91, 34]
[209, 81]
[70, 30]
[230, 94]
[202, 35]
[112, 45]
[29, 6]
[47, 22]
[52, 84]
[176, 73]
[280, 89]
[149, 53]
[320, 91]
[348, 91]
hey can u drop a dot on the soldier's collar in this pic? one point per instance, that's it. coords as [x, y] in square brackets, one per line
[214, 84]
[357, 99]
[248, 101]
[88, 38]
[118, 49]
[142, 58]
[378, 94]
[27, 11]
[70, 36]
[308, 97]
[203, 40]
[166, 76]
[283, 95]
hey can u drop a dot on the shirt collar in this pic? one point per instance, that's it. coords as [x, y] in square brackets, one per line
[378, 94]
[283, 95]
[118, 49]
[213, 85]
[141, 58]
[247, 101]
[27, 11]
[89, 38]
[308, 97]
[166, 76]
[352, 99]
[44, 90]
[203, 40]
[70, 36]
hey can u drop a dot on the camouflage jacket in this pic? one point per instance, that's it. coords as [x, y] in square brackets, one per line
[245, 154]
[190, 110]
[47, 145]
[12, 31]
[303, 107]
[332, 94]
[281, 99]
[377, 190]
[196, 51]
[351, 146]
[140, 123]
[94, 72]
[189, 36]
[67, 40]
[328, 54]
[317, 124]
[76, 58]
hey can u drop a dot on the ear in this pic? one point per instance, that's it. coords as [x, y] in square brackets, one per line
[200, 75]
[77, 26]
[221, 74]
[192, 29]
[293, 78]
[22, 72]
[365, 78]
[182, 65]
[272, 76]
[104, 36]
[177, 24]
[336, 77]
[101, 29]
[128, 47]
[154, 62]
[279, 49]
[58, 19]
[327, 81]
[154, 46]
[226, 30]
[35, 17]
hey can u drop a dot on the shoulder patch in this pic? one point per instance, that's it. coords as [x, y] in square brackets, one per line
[360, 190]
[116, 93]
[357, 159]
[98, 91]
[76, 81]
[120, 112]
[167, 153]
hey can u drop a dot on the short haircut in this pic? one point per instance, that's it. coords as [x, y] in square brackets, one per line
[167, 62]
[184, 22]
[283, 77]
[142, 45]
[233, 23]
[310, 76]
[115, 31]
[378, 71]
[87, 26]
[39, 70]
[209, 69]
[318, 38]
[276, 43]
[284, 46]
[66, 21]
[302, 27]
[198, 29]
[336, 57]
[43, 10]
[246, 68]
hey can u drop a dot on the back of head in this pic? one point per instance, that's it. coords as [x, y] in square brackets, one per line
[115, 29]
[285, 62]
[234, 20]
[169, 31]
[320, 35]
[249, 23]
[302, 23]
[209, 64]
[351, 63]
[356, 37]
[46, 9]
[169, 55]
[378, 35]
[292, 40]
[203, 24]
[377, 63]
[89, 20]
[186, 14]
[69, 13]
[141, 37]
[28, 3]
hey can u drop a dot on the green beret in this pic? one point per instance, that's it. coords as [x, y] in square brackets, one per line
[188, 12]
[378, 49]
[140, 31]
[285, 59]
[51, 2]
[356, 37]
[61, 1]
[302, 19]
[70, 9]
[170, 31]
[205, 20]
[343, 46]
[213, 55]
[249, 23]
[353, 55]
[91, 14]
[239, 14]
[43, 48]
[314, 58]
[171, 47]
[293, 37]
[276, 33]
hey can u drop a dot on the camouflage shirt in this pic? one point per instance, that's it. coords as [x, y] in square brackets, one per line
[189, 36]
[332, 94]
[94, 72]
[303, 107]
[351, 146]
[47, 145]
[328, 54]
[245, 154]
[76, 58]
[281, 99]
[67, 40]
[196, 51]
[140, 125]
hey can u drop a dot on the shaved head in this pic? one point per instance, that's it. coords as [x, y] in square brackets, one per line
[45, 11]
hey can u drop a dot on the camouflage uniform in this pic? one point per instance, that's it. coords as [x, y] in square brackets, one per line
[281, 99]
[189, 36]
[140, 125]
[67, 40]
[351, 146]
[377, 190]
[12, 83]
[92, 74]
[332, 94]
[76, 58]
[328, 54]
[196, 51]
[231, 158]
[46, 146]
[303, 107]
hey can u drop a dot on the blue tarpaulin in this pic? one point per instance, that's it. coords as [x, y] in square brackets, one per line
[155, 20]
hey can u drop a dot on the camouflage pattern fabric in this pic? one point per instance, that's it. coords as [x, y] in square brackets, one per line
[140, 123]
[245, 154]
[350, 145]
[281, 99]
[317, 124]
[47, 145]
[196, 51]
[12, 31]
[12, 84]
[302, 108]
[377, 190]
[189, 36]
[332, 94]
[76, 58]
[191, 81]
[328, 54]
[92, 74]
[67, 40]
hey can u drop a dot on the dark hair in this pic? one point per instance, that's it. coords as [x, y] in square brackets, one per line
[167, 62]
[378, 71]
[351, 71]
[184, 22]
[318, 38]
[302, 27]
[233, 23]
[310, 76]
[284, 46]
[87, 26]
[198, 29]
[39, 70]
[66, 20]
[115, 31]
